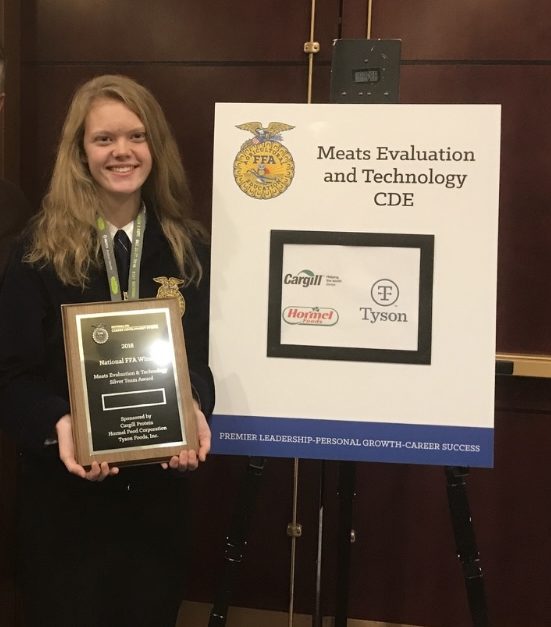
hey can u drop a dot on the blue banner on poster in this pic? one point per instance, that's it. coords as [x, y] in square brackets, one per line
[352, 441]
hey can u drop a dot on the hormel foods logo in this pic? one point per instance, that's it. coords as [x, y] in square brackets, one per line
[312, 316]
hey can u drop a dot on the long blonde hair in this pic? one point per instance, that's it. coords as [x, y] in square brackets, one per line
[64, 231]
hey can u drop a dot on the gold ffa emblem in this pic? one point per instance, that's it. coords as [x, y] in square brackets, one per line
[100, 334]
[170, 288]
[264, 168]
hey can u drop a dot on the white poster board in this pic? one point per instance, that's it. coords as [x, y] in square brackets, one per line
[353, 281]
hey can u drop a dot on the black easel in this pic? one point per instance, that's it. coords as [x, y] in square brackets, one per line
[346, 492]
[317, 613]
[362, 71]
[236, 540]
[465, 541]
[463, 529]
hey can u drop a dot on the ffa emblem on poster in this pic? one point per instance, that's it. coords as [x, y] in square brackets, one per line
[264, 168]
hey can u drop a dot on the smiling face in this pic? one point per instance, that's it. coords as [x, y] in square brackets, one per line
[118, 156]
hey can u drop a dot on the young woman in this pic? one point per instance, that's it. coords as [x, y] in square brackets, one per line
[100, 546]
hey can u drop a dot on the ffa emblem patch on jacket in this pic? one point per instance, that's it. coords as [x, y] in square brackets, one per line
[170, 288]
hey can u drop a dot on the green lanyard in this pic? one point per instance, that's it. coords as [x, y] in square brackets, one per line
[135, 258]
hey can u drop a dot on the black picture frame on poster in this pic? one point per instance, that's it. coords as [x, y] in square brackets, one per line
[423, 242]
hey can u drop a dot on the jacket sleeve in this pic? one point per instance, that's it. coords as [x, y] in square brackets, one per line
[196, 332]
[29, 363]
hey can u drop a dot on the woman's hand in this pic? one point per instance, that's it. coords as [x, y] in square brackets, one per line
[189, 459]
[98, 472]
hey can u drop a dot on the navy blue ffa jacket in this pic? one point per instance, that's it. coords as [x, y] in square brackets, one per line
[33, 378]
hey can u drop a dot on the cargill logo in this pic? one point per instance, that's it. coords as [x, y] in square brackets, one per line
[306, 278]
[311, 316]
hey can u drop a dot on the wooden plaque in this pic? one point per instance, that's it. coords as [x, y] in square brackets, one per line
[129, 387]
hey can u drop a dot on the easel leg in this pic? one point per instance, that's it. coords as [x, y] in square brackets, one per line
[347, 484]
[465, 540]
[236, 540]
[317, 616]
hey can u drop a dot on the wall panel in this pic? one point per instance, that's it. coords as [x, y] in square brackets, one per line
[493, 29]
[525, 220]
[178, 30]
[354, 19]
[10, 38]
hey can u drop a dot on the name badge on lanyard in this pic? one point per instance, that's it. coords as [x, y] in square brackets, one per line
[135, 258]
